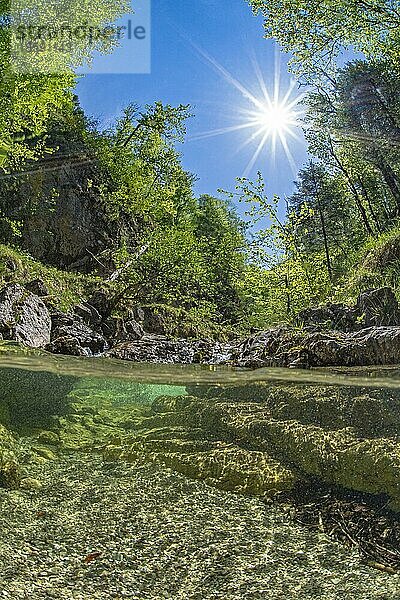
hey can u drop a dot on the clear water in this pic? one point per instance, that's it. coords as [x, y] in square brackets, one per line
[120, 480]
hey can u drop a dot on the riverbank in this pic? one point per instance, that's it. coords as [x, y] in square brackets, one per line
[335, 335]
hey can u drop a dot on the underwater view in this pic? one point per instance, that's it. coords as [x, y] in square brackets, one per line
[193, 482]
[200, 299]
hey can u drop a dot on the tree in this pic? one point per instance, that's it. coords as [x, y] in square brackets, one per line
[37, 83]
[353, 130]
[221, 235]
[316, 31]
[276, 248]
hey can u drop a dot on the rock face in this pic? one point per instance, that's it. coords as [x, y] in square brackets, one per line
[24, 317]
[90, 330]
[160, 349]
[377, 308]
[38, 287]
[68, 232]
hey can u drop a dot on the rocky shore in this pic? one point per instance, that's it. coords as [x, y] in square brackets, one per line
[333, 335]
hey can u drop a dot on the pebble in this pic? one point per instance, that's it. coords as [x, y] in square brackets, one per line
[164, 536]
[29, 483]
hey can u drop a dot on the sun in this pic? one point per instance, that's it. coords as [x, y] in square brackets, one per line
[271, 117]
[277, 118]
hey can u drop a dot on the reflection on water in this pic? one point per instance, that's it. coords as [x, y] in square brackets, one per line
[147, 481]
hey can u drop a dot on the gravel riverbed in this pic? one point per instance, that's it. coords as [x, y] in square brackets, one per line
[100, 531]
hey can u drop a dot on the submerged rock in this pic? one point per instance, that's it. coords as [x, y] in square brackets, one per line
[260, 439]
[9, 465]
[222, 465]
[30, 398]
[286, 433]
[24, 317]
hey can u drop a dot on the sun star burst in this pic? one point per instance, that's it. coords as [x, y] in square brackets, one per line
[271, 119]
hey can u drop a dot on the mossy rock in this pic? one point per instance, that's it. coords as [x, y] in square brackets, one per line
[222, 465]
[339, 436]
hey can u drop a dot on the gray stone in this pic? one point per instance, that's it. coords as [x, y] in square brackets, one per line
[101, 302]
[330, 316]
[374, 308]
[88, 313]
[24, 317]
[285, 347]
[371, 346]
[77, 340]
[160, 349]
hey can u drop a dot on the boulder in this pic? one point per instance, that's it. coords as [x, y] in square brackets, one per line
[378, 308]
[374, 308]
[330, 316]
[290, 348]
[155, 349]
[38, 287]
[24, 317]
[88, 313]
[101, 302]
[371, 346]
[272, 348]
[119, 330]
[69, 335]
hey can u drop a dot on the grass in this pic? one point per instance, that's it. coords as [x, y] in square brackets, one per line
[66, 288]
[377, 264]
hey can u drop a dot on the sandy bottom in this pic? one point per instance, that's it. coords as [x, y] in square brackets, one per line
[105, 531]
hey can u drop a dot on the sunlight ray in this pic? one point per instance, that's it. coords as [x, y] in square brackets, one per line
[290, 89]
[273, 146]
[256, 154]
[296, 101]
[261, 80]
[215, 132]
[228, 77]
[273, 115]
[277, 85]
[249, 140]
[293, 134]
[289, 155]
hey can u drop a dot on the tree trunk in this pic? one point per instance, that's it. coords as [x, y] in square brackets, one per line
[323, 224]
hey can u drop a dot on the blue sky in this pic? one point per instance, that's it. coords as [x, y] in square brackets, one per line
[182, 32]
